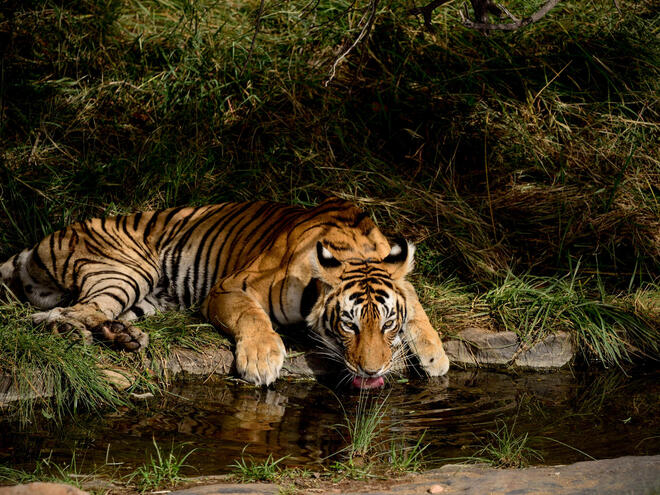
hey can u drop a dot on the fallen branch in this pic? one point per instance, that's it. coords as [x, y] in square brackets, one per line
[427, 12]
[482, 25]
[481, 10]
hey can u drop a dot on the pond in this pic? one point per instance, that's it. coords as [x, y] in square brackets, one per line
[568, 416]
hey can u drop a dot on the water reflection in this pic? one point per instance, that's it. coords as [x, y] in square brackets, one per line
[604, 415]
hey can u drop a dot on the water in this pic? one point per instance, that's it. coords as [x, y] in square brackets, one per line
[605, 414]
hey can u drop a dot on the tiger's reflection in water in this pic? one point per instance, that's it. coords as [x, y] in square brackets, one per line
[221, 420]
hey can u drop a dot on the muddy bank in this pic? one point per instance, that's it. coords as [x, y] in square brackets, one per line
[473, 347]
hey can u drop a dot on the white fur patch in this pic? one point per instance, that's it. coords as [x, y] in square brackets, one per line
[396, 250]
[326, 254]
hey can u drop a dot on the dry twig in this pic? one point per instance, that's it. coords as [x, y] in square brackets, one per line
[365, 31]
[257, 25]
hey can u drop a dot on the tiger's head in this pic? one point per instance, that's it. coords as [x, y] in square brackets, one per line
[361, 312]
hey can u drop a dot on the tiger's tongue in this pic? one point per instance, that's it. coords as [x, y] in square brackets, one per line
[359, 382]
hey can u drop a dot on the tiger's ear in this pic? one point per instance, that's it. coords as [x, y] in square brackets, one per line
[325, 266]
[400, 261]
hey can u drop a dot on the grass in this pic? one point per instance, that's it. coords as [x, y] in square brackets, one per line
[249, 470]
[371, 446]
[363, 428]
[506, 449]
[169, 330]
[402, 458]
[35, 361]
[45, 470]
[162, 471]
[607, 328]
[57, 377]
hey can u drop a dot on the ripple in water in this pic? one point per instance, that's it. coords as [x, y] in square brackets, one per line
[601, 414]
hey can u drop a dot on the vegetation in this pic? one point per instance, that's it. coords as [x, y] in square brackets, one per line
[510, 159]
[38, 362]
[162, 470]
[372, 446]
[54, 377]
[506, 449]
[608, 329]
[251, 470]
[361, 430]
[45, 470]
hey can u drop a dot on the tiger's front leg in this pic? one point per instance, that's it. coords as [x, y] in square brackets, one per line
[260, 352]
[423, 339]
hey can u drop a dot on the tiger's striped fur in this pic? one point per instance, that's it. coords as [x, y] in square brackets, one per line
[248, 265]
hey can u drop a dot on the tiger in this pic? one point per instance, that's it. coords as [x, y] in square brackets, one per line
[249, 267]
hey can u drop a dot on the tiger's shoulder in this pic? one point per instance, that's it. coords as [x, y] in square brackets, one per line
[340, 226]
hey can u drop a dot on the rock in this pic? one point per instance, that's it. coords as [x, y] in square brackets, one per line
[436, 489]
[625, 475]
[481, 347]
[10, 392]
[226, 489]
[117, 378]
[182, 360]
[473, 347]
[552, 352]
[39, 488]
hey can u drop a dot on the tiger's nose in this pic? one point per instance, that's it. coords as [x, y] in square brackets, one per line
[369, 371]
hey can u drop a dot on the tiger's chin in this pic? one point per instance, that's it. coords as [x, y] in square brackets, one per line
[368, 383]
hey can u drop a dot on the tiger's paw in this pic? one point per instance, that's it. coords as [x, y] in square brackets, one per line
[260, 360]
[432, 356]
[122, 334]
[82, 323]
[61, 324]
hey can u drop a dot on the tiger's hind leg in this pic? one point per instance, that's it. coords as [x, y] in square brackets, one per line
[107, 291]
[85, 321]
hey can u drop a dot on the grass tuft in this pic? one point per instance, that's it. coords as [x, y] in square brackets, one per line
[45, 470]
[35, 362]
[363, 429]
[403, 458]
[370, 445]
[162, 471]
[608, 328]
[249, 470]
[506, 449]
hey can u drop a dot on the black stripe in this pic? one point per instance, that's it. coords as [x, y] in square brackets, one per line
[177, 249]
[264, 216]
[220, 224]
[39, 262]
[136, 220]
[173, 232]
[258, 213]
[361, 216]
[150, 225]
[271, 310]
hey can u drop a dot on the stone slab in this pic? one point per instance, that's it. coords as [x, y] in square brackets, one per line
[484, 348]
[238, 489]
[632, 475]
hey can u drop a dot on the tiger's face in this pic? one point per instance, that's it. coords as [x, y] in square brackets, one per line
[361, 315]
